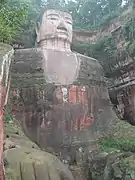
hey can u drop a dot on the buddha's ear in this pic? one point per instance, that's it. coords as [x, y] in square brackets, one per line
[37, 28]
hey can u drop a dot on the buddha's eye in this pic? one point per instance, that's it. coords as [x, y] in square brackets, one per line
[54, 18]
[69, 22]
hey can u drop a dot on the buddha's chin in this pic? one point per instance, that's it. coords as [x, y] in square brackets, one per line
[62, 35]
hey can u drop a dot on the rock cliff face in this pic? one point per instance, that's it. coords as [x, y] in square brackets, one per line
[6, 55]
[24, 160]
[91, 37]
[114, 160]
[114, 48]
[51, 123]
[117, 155]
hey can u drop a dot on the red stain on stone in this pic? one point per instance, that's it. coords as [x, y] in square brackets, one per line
[78, 95]
[1, 142]
[67, 109]
[86, 121]
[73, 94]
[1, 134]
[15, 92]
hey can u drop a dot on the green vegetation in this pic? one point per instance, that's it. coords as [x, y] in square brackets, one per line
[13, 14]
[131, 48]
[18, 18]
[20, 15]
[8, 113]
[8, 118]
[104, 50]
[117, 144]
[107, 49]
[129, 34]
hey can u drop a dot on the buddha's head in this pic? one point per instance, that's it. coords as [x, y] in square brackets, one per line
[54, 25]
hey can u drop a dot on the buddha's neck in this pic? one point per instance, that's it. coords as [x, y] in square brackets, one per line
[55, 44]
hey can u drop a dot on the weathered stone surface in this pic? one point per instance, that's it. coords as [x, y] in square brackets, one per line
[54, 28]
[79, 172]
[113, 166]
[61, 99]
[34, 164]
[28, 79]
[26, 161]
[116, 163]
[121, 168]
[6, 55]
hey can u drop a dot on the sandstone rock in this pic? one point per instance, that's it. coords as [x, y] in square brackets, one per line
[9, 144]
[97, 166]
[28, 163]
[62, 98]
[122, 168]
[114, 166]
[79, 172]
[10, 175]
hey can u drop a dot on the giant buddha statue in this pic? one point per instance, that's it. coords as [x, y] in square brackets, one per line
[59, 96]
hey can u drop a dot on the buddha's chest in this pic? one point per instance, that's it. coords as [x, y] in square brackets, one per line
[60, 68]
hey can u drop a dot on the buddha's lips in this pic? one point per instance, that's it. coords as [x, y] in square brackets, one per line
[62, 31]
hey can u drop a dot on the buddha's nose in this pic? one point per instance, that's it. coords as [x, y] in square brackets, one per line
[62, 26]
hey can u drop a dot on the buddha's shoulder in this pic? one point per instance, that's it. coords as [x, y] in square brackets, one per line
[88, 60]
[27, 54]
[28, 50]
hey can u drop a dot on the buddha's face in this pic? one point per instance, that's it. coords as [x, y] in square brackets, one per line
[55, 25]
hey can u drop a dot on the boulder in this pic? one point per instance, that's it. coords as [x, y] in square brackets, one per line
[31, 164]
[113, 166]
[116, 159]
[24, 160]
[121, 167]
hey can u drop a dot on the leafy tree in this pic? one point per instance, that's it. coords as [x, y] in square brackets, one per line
[12, 15]
[87, 14]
